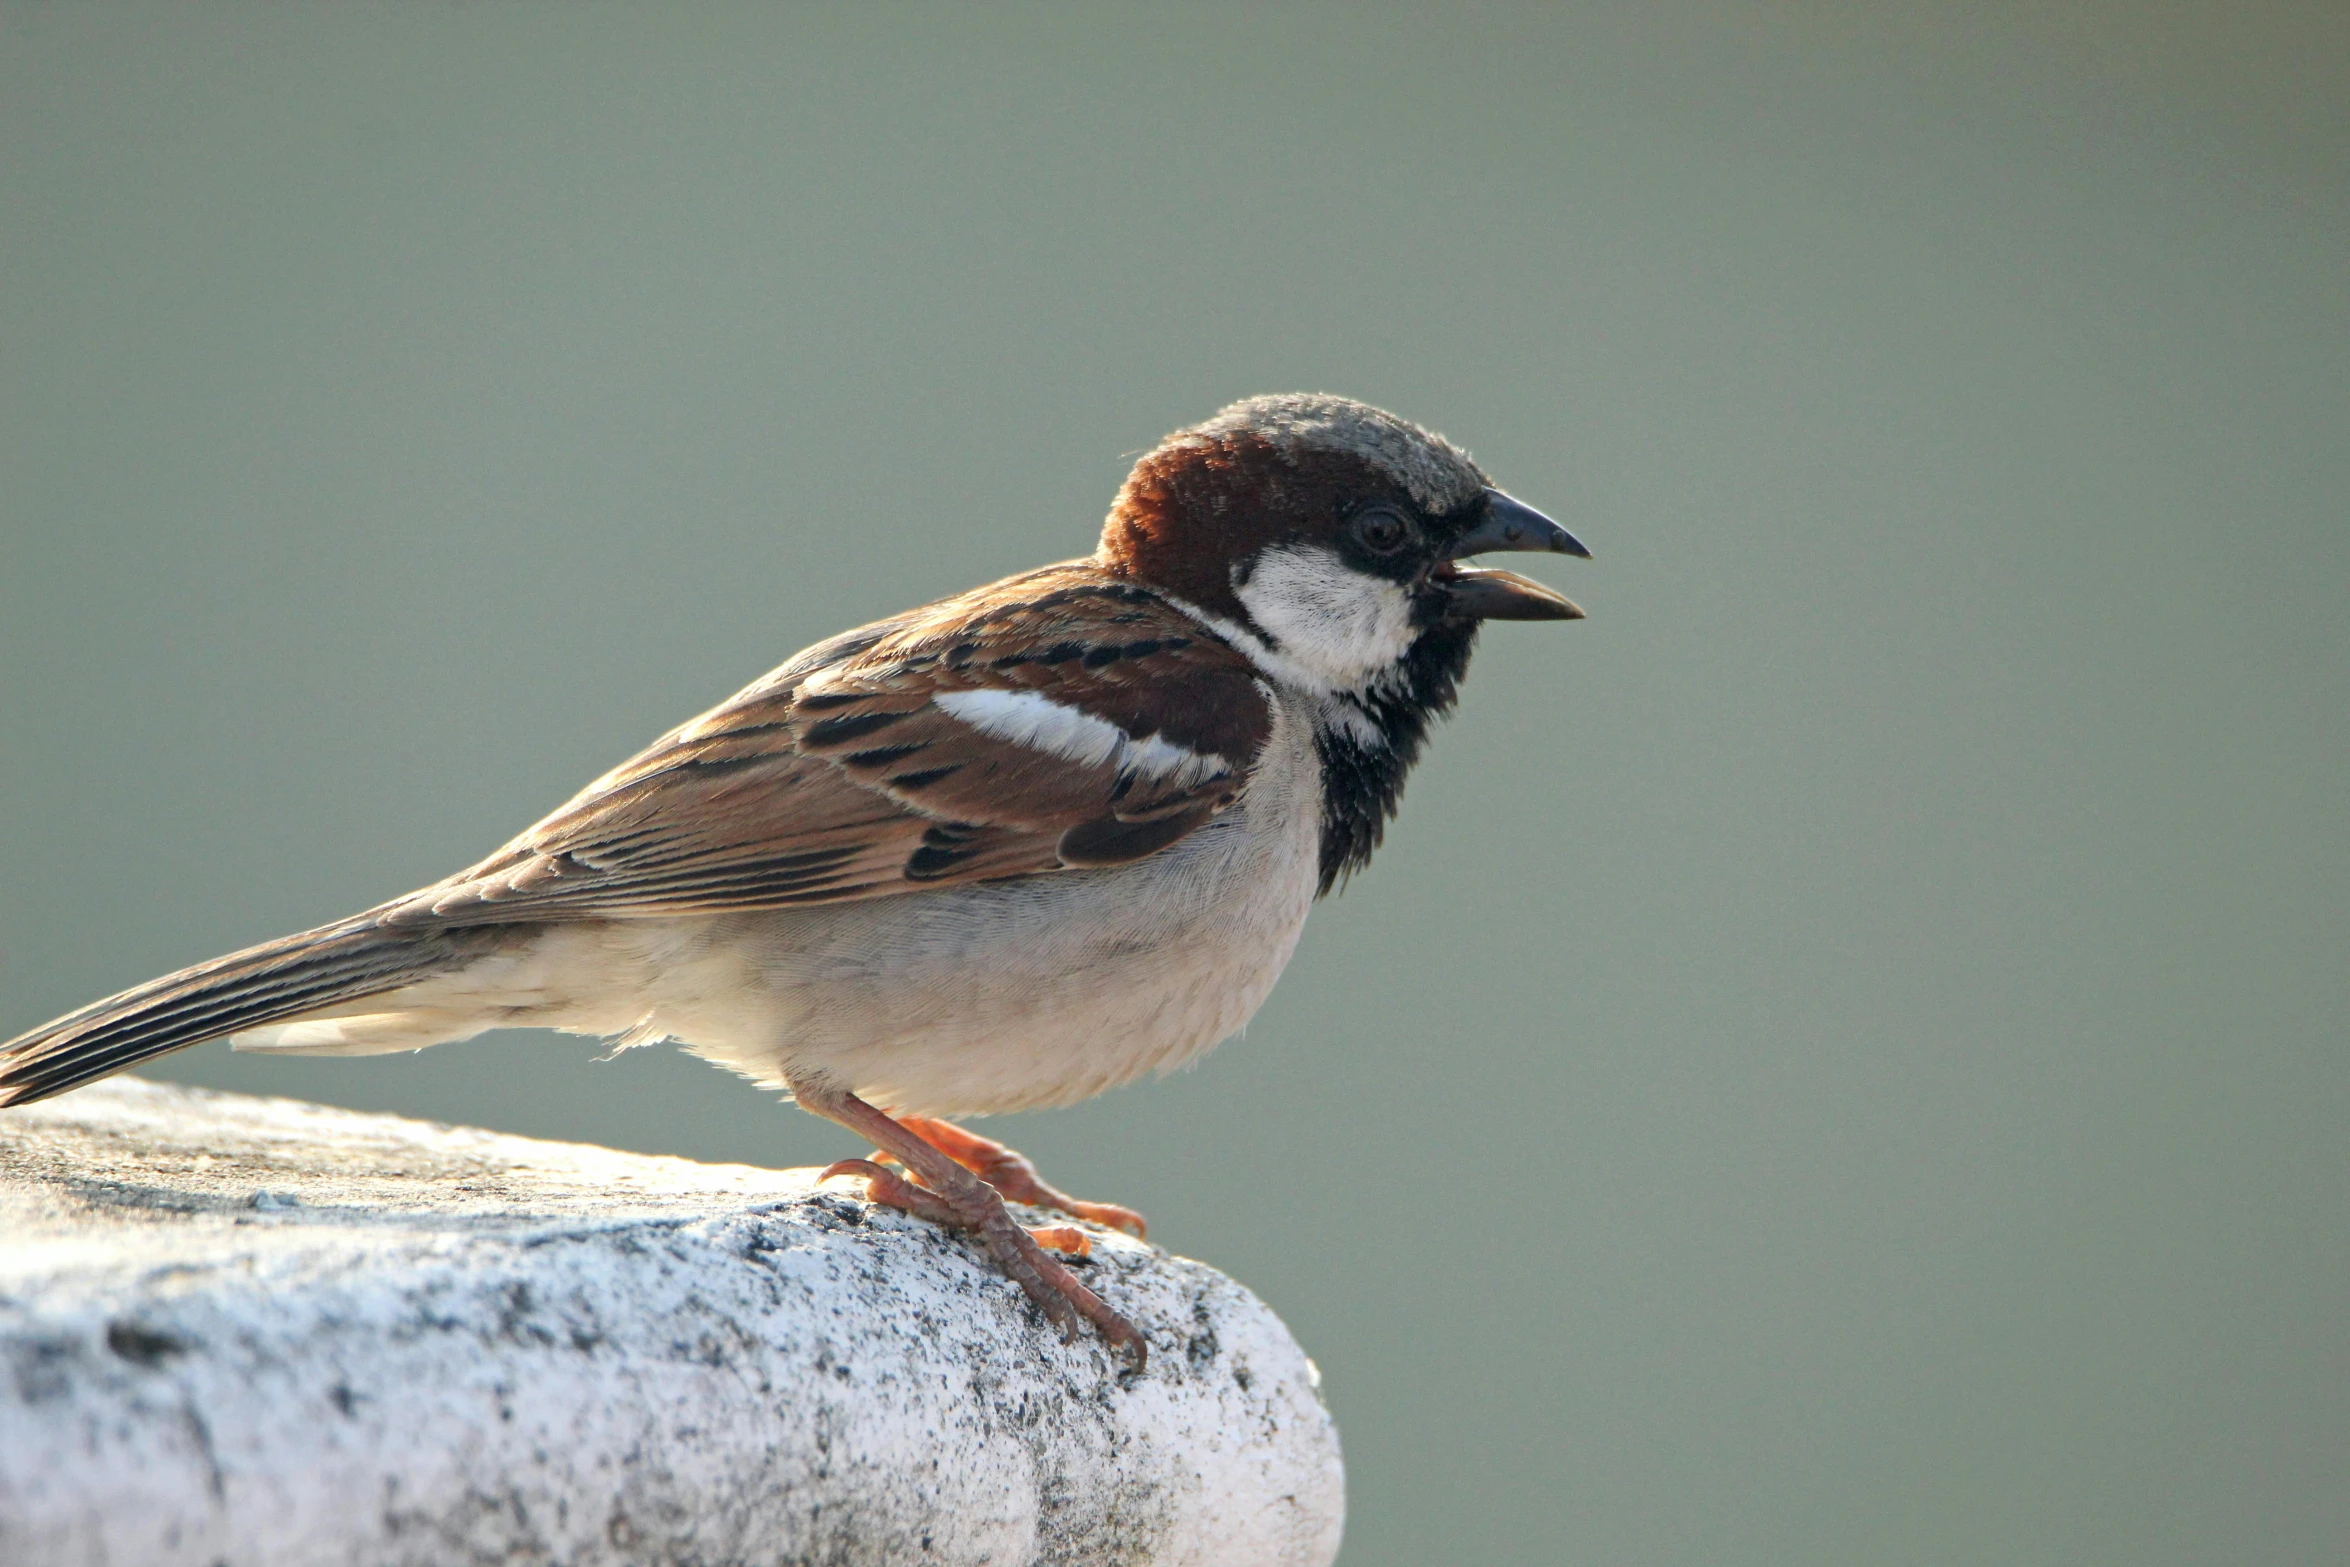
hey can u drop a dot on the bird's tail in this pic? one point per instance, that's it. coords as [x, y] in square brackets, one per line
[278, 980]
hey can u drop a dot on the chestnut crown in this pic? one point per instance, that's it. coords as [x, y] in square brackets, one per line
[1283, 471]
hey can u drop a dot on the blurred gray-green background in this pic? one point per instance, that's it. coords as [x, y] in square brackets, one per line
[1842, 1058]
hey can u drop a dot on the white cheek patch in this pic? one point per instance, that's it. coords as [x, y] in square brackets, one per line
[1333, 622]
[1027, 718]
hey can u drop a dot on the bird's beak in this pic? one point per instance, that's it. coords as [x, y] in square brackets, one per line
[1507, 524]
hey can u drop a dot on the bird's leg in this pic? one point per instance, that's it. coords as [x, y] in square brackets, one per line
[957, 1197]
[884, 1185]
[1011, 1173]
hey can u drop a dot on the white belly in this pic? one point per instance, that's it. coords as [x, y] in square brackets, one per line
[978, 999]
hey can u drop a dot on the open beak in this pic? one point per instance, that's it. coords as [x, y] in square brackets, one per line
[1472, 593]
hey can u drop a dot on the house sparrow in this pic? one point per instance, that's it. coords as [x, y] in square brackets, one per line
[1007, 850]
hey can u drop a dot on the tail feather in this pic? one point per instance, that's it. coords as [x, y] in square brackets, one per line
[259, 986]
[342, 1032]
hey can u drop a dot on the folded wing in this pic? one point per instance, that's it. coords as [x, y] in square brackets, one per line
[1055, 721]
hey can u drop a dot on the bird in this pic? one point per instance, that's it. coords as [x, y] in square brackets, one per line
[1001, 852]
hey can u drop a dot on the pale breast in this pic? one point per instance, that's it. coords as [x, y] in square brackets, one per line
[993, 997]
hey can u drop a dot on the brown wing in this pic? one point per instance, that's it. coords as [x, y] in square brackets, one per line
[1053, 720]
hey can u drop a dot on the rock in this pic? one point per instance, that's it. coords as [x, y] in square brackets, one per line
[255, 1331]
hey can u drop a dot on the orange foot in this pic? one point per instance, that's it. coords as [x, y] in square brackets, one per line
[950, 1194]
[892, 1190]
[1012, 1175]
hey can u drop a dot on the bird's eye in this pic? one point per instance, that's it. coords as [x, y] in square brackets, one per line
[1381, 531]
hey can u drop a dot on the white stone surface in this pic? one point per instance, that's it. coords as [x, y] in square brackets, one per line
[254, 1331]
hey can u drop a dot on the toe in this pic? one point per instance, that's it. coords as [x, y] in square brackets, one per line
[1113, 1215]
[892, 1190]
[1067, 1239]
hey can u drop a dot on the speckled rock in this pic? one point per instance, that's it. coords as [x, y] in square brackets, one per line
[253, 1331]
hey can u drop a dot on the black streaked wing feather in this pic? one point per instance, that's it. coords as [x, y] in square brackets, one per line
[837, 777]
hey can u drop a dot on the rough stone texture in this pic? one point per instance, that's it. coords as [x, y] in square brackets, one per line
[253, 1331]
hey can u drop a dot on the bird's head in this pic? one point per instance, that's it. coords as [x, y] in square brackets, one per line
[1327, 537]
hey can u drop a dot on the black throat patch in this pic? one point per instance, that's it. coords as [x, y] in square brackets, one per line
[1362, 780]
